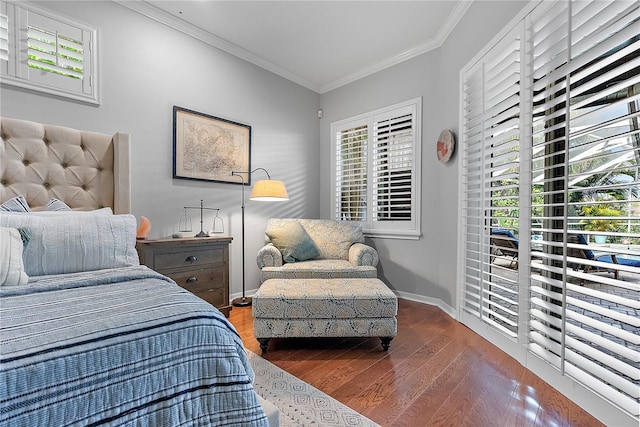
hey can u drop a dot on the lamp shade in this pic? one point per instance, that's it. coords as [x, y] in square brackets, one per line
[269, 190]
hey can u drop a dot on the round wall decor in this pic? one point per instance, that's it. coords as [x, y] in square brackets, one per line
[446, 145]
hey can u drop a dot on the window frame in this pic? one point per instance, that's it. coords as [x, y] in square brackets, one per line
[405, 229]
[16, 72]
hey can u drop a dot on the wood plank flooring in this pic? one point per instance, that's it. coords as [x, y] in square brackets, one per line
[437, 372]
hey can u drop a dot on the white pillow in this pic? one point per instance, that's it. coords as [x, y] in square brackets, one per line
[11, 264]
[70, 243]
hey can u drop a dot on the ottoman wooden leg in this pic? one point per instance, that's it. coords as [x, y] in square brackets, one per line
[264, 343]
[385, 341]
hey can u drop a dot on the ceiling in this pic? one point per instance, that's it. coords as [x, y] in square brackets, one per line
[318, 44]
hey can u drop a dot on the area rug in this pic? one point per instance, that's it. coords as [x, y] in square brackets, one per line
[300, 403]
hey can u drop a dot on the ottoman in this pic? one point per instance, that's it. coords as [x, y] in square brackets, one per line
[349, 307]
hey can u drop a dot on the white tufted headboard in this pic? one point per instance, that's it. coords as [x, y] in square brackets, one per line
[85, 170]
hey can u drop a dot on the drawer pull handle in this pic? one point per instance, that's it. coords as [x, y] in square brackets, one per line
[192, 279]
[192, 258]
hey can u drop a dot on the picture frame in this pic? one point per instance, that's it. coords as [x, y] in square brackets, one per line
[209, 148]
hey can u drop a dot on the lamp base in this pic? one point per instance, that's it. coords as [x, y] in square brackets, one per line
[241, 302]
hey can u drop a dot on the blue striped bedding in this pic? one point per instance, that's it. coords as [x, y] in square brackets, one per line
[119, 347]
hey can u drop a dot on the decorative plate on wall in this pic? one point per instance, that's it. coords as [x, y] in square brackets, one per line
[446, 146]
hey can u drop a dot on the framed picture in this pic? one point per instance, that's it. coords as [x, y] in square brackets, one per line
[209, 148]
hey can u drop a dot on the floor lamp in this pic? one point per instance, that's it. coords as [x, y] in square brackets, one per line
[268, 190]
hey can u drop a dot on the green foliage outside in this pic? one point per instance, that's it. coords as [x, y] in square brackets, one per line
[601, 224]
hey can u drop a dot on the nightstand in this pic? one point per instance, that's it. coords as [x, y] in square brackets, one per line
[198, 264]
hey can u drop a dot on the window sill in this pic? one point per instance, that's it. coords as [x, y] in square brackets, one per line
[393, 234]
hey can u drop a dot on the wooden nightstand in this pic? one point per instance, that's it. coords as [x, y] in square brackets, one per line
[198, 264]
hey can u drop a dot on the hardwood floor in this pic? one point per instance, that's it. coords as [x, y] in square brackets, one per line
[437, 372]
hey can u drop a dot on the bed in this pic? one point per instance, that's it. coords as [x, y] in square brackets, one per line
[87, 335]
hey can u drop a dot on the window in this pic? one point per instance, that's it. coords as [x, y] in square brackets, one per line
[48, 53]
[4, 37]
[377, 170]
[550, 148]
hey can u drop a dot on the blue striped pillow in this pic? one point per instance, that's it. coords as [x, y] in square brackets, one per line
[56, 205]
[16, 204]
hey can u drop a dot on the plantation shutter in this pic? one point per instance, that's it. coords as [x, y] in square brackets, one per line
[392, 148]
[490, 190]
[586, 145]
[376, 165]
[56, 52]
[4, 37]
[48, 52]
[351, 172]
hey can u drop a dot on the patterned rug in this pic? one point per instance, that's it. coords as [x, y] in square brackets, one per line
[300, 403]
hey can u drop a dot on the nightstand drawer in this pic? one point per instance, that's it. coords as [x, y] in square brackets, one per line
[188, 258]
[198, 264]
[200, 280]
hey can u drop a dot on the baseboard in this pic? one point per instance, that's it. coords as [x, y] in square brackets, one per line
[428, 300]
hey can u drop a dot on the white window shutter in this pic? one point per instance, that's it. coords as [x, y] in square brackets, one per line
[586, 152]
[491, 180]
[351, 173]
[573, 159]
[53, 54]
[376, 167]
[393, 142]
[4, 37]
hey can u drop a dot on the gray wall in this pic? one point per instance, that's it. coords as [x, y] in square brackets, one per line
[426, 269]
[146, 68]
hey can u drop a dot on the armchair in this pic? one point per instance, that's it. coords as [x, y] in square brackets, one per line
[315, 249]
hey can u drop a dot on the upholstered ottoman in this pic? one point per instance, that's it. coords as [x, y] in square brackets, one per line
[349, 307]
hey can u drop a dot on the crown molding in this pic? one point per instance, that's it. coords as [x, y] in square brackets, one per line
[429, 45]
[159, 15]
[150, 11]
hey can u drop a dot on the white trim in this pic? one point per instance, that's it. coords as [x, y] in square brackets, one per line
[150, 11]
[428, 300]
[427, 46]
[602, 409]
[400, 234]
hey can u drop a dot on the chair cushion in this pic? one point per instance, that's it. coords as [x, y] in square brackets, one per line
[631, 262]
[324, 298]
[587, 252]
[293, 241]
[319, 269]
[506, 233]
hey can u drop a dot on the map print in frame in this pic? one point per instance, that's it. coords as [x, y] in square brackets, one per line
[209, 148]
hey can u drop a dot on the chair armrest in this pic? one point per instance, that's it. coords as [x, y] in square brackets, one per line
[361, 254]
[269, 256]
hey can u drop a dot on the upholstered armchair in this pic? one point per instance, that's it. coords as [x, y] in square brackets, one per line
[315, 249]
